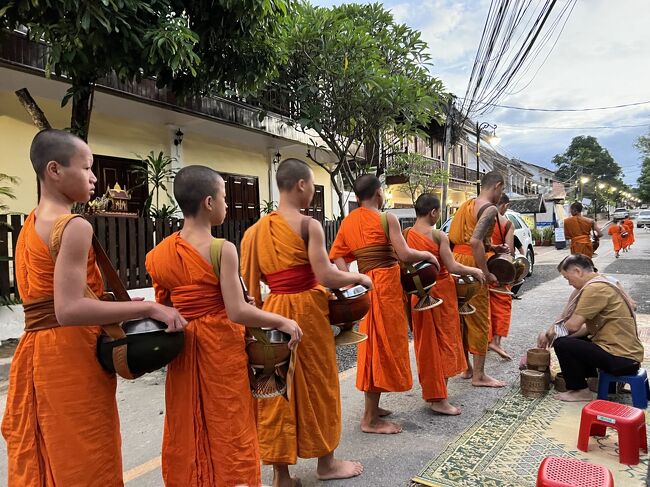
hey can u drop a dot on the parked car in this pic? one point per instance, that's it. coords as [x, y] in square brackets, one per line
[620, 213]
[643, 219]
[523, 237]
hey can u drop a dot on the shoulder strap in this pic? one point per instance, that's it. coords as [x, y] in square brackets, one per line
[481, 210]
[215, 255]
[383, 217]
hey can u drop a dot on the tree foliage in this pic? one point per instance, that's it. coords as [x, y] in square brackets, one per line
[360, 81]
[189, 45]
[423, 177]
[643, 145]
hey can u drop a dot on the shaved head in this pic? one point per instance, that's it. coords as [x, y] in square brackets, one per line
[366, 186]
[192, 185]
[504, 199]
[425, 204]
[290, 171]
[52, 145]
[491, 179]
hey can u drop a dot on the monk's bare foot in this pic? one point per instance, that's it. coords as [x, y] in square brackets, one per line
[381, 427]
[496, 348]
[443, 407]
[384, 412]
[582, 395]
[287, 482]
[487, 381]
[339, 469]
[467, 374]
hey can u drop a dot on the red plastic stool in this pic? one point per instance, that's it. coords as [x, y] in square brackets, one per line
[629, 422]
[565, 472]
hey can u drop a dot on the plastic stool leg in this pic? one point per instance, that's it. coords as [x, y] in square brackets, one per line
[643, 438]
[639, 394]
[603, 386]
[584, 432]
[628, 446]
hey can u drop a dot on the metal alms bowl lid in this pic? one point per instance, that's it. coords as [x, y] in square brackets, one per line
[145, 325]
[353, 291]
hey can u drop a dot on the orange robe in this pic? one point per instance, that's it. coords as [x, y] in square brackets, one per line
[437, 337]
[629, 228]
[308, 425]
[578, 230]
[383, 363]
[209, 435]
[617, 241]
[500, 304]
[476, 327]
[61, 422]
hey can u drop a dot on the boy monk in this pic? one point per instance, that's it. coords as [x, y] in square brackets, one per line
[210, 437]
[287, 250]
[628, 225]
[436, 332]
[383, 363]
[578, 229]
[61, 422]
[471, 233]
[500, 303]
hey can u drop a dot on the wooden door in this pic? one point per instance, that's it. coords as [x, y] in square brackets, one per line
[242, 197]
[317, 207]
[110, 170]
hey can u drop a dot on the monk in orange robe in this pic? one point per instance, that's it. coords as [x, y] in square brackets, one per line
[578, 229]
[500, 303]
[471, 234]
[615, 230]
[628, 240]
[287, 251]
[210, 437]
[61, 421]
[436, 332]
[383, 363]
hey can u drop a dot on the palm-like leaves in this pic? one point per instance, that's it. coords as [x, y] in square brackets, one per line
[156, 172]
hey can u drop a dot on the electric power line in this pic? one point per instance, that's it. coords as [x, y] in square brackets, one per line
[597, 127]
[510, 107]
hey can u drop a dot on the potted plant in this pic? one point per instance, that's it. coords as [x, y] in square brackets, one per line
[536, 236]
[547, 236]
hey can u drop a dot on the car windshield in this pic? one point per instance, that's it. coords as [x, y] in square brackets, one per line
[644, 213]
[619, 209]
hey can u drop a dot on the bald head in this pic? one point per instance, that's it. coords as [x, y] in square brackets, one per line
[192, 185]
[426, 203]
[366, 186]
[491, 179]
[53, 145]
[504, 199]
[290, 171]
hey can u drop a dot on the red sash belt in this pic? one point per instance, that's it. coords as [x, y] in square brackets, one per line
[293, 280]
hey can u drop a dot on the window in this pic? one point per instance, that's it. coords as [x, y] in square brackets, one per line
[515, 221]
[317, 208]
[242, 197]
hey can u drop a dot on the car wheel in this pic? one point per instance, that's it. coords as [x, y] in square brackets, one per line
[530, 255]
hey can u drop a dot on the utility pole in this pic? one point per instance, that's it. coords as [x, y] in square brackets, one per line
[446, 154]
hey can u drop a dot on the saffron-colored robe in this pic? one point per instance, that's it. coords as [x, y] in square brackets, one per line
[61, 422]
[308, 425]
[500, 304]
[383, 363]
[209, 439]
[437, 336]
[578, 230]
[476, 327]
[629, 228]
[617, 241]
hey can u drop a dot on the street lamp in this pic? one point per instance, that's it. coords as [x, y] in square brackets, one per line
[492, 139]
[583, 180]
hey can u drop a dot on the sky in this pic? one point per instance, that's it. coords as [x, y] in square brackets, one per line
[602, 58]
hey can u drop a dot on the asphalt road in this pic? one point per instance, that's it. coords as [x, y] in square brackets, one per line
[389, 460]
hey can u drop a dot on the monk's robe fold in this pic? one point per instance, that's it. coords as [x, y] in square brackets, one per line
[617, 241]
[309, 424]
[61, 422]
[578, 229]
[500, 304]
[476, 327]
[209, 435]
[383, 363]
[437, 335]
[629, 228]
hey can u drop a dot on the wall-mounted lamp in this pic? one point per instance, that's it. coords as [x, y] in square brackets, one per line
[276, 158]
[178, 137]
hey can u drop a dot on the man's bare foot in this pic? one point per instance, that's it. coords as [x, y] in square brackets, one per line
[380, 426]
[339, 469]
[582, 395]
[287, 482]
[467, 374]
[443, 407]
[487, 381]
[384, 412]
[496, 348]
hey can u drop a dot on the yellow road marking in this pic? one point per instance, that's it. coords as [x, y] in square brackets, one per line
[141, 470]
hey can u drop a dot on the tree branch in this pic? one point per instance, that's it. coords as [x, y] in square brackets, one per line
[38, 117]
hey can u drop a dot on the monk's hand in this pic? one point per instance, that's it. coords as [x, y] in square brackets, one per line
[501, 249]
[478, 275]
[250, 299]
[168, 315]
[365, 281]
[292, 329]
[491, 278]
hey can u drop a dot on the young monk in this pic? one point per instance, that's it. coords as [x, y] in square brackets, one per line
[61, 422]
[501, 304]
[383, 363]
[578, 229]
[471, 233]
[628, 240]
[436, 332]
[287, 250]
[615, 230]
[210, 437]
